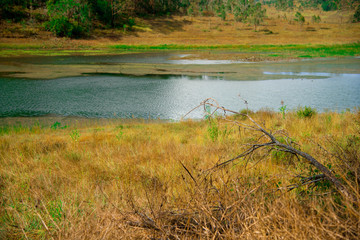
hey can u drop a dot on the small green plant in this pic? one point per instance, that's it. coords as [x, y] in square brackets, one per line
[74, 157]
[315, 19]
[75, 135]
[328, 120]
[57, 125]
[305, 112]
[282, 109]
[213, 130]
[120, 132]
[56, 211]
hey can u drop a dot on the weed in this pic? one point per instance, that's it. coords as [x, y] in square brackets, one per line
[283, 110]
[57, 125]
[305, 112]
[315, 19]
[213, 130]
[75, 135]
[120, 133]
[56, 210]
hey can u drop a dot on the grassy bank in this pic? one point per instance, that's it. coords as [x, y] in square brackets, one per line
[281, 51]
[260, 52]
[124, 180]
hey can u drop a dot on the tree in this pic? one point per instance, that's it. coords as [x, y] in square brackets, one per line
[13, 9]
[357, 14]
[68, 18]
[257, 15]
[299, 18]
[329, 5]
[221, 12]
[241, 9]
[284, 4]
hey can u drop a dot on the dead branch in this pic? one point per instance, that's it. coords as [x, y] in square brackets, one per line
[273, 142]
[306, 181]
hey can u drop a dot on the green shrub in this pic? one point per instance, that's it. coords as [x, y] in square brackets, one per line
[305, 112]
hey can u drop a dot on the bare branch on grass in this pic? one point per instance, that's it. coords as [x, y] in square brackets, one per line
[273, 142]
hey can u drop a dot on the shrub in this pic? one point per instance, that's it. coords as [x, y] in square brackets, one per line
[305, 112]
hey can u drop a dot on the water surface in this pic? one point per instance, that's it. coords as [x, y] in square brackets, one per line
[172, 97]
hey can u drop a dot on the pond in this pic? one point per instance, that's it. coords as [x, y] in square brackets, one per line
[332, 85]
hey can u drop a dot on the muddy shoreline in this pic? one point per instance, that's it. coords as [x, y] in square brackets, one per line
[231, 71]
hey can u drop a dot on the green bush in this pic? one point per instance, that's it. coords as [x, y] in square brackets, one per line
[305, 112]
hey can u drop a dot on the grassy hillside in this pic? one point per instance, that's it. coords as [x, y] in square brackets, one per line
[131, 180]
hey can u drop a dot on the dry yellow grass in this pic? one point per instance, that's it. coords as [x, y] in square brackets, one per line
[125, 180]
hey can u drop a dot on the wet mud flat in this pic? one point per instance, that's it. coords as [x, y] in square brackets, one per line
[167, 65]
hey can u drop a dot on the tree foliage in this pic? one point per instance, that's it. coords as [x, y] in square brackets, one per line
[69, 18]
[75, 18]
[357, 14]
[256, 15]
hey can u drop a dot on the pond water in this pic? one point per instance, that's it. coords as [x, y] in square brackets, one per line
[172, 96]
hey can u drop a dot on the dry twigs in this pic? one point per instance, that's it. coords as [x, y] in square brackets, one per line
[273, 143]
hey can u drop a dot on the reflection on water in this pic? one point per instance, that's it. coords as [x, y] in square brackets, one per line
[202, 61]
[171, 97]
[300, 74]
[149, 58]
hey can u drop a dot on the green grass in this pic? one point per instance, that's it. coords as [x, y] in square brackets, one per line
[338, 49]
[281, 51]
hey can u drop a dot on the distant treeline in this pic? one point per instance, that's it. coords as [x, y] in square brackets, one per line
[75, 18]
